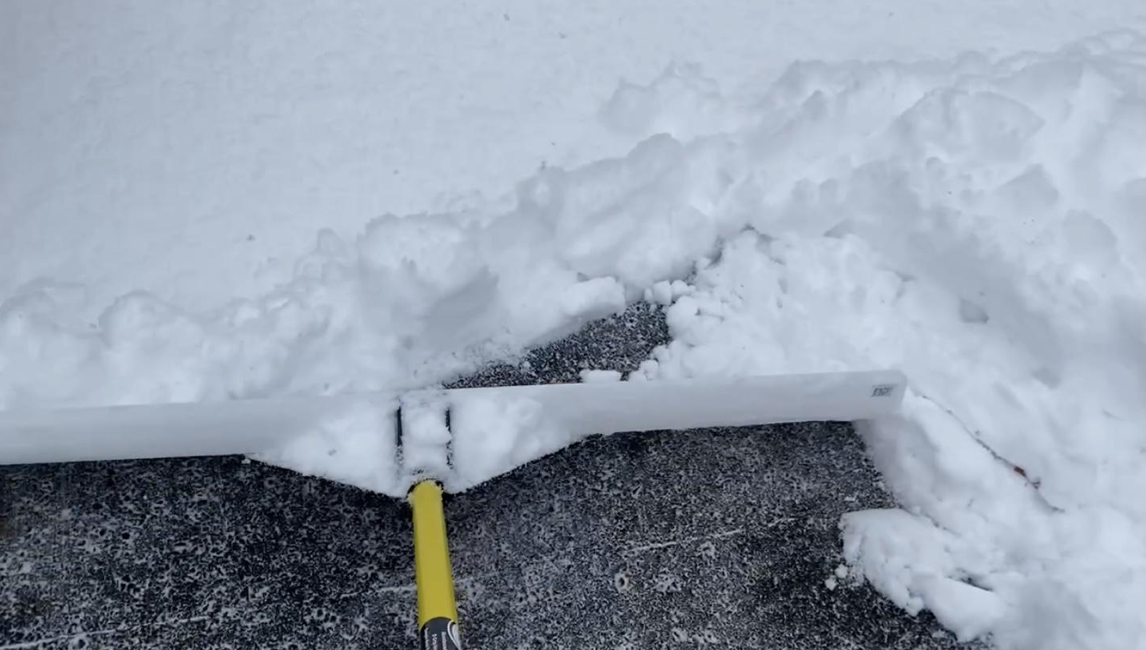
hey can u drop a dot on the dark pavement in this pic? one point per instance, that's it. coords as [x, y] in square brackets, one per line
[710, 538]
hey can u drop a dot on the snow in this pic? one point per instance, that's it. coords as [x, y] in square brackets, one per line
[425, 436]
[600, 375]
[976, 223]
[356, 447]
[947, 189]
[912, 562]
[233, 133]
[495, 435]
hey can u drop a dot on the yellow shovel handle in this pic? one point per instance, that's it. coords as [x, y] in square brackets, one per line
[437, 610]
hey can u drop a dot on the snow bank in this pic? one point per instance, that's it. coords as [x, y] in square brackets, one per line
[976, 222]
[411, 302]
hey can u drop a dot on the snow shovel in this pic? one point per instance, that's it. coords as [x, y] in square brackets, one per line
[418, 444]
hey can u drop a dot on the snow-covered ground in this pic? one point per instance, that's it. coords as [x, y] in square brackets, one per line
[974, 219]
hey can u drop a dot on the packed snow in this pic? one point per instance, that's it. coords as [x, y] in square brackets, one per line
[974, 219]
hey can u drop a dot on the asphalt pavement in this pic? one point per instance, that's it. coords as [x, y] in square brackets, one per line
[715, 538]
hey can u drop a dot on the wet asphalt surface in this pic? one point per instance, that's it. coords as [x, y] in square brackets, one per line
[718, 538]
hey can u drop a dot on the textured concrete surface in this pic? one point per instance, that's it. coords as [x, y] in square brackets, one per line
[713, 538]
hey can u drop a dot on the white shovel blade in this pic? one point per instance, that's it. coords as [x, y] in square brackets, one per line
[168, 430]
[496, 429]
[492, 430]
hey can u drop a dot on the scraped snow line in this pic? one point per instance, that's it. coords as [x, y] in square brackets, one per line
[656, 546]
[975, 222]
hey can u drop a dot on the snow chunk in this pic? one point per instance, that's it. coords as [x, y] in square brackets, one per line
[358, 448]
[493, 436]
[966, 610]
[913, 563]
[597, 376]
[425, 437]
[594, 299]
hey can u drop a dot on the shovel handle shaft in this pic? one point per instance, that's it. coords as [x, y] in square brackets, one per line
[437, 610]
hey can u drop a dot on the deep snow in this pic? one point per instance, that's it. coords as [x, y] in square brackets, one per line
[974, 220]
[211, 130]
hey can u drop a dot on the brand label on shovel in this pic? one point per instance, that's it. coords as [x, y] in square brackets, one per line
[441, 634]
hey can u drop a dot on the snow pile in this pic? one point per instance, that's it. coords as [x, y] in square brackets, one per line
[413, 301]
[494, 435]
[975, 222]
[978, 224]
[360, 443]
